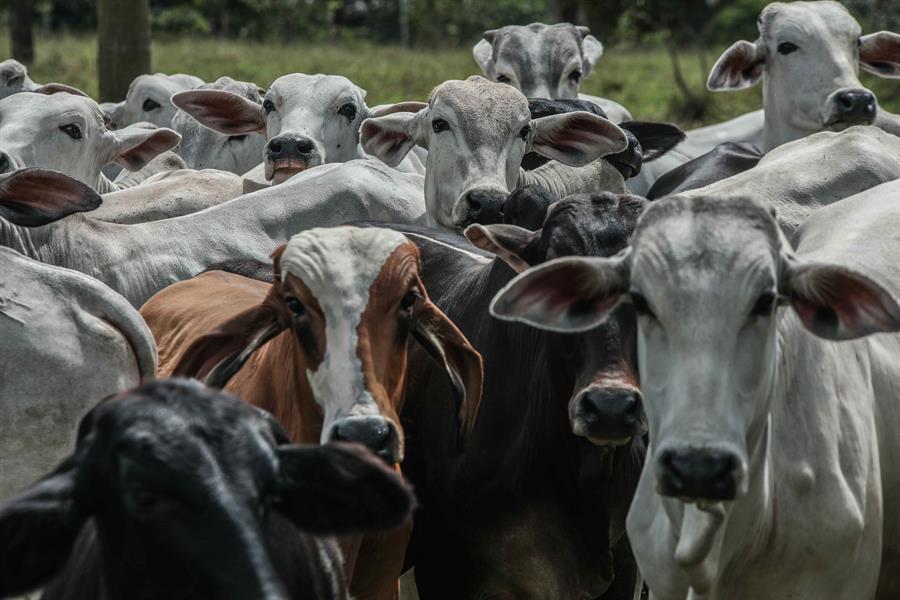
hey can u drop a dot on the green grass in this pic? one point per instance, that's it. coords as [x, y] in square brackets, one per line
[641, 79]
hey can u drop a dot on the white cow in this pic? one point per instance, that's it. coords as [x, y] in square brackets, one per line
[148, 100]
[14, 79]
[772, 469]
[544, 61]
[68, 340]
[307, 120]
[808, 57]
[204, 148]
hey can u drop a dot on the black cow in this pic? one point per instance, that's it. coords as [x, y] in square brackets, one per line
[524, 509]
[177, 491]
[723, 161]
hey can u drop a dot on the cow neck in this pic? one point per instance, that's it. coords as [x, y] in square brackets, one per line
[564, 180]
[20, 238]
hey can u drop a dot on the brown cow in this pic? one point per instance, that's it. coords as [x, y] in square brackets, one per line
[324, 348]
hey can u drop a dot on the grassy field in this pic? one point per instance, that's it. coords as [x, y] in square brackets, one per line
[641, 79]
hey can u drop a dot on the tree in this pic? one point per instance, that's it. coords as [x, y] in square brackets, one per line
[21, 16]
[123, 45]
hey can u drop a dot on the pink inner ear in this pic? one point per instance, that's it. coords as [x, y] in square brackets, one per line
[224, 112]
[881, 53]
[844, 305]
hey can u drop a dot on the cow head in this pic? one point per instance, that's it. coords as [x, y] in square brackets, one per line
[541, 61]
[351, 298]
[808, 54]
[184, 484]
[606, 404]
[707, 278]
[205, 148]
[307, 120]
[68, 133]
[148, 100]
[476, 133]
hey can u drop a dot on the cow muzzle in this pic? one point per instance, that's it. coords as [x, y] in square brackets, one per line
[700, 473]
[480, 205]
[850, 106]
[374, 432]
[608, 416]
[289, 154]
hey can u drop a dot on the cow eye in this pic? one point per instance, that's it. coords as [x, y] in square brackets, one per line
[641, 307]
[503, 79]
[409, 300]
[439, 125]
[575, 76]
[348, 110]
[525, 132]
[72, 130]
[150, 104]
[764, 304]
[296, 307]
[268, 106]
[787, 48]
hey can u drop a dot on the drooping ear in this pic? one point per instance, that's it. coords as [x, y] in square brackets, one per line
[506, 242]
[576, 138]
[390, 138]
[655, 139]
[35, 197]
[447, 345]
[409, 106]
[38, 528]
[134, 146]
[49, 89]
[739, 67]
[838, 303]
[483, 53]
[591, 51]
[214, 358]
[340, 489]
[568, 294]
[879, 53]
[225, 112]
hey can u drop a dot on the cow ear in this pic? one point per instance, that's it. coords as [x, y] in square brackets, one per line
[35, 197]
[225, 112]
[409, 106]
[568, 294]
[446, 344]
[134, 146]
[507, 242]
[390, 138]
[576, 138]
[340, 489]
[591, 51]
[113, 112]
[838, 303]
[483, 53]
[214, 358]
[38, 528]
[48, 89]
[879, 53]
[739, 67]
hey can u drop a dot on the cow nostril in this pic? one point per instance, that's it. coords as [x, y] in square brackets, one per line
[275, 147]
[304, 146]
[474, 203]
[845, 100]
[375, 433]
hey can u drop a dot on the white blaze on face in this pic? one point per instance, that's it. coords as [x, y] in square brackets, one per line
[338, 265]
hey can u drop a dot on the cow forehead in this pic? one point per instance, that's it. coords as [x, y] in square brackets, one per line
[42, 105]
[813, 18]
[314, 89]
[339, 264]
[480, 106]
[561, 38]
[248, 90]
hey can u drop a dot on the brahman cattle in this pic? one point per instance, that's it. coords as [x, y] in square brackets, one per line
[544, 61]
[176, 491]
[324, 349]
[773, 470]
[148, 100]
[203, 148]
[67, 339]
[307, 120]
[808, 56]
[526, 509]
[14, 79]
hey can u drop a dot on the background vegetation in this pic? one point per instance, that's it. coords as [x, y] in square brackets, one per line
[658, 52]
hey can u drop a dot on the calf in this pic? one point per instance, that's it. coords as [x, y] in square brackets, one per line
[148, 100]
[526, 509]
[324, 349]
[176, 491]
[772, 473]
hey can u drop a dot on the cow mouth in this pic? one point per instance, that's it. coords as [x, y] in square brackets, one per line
[840, 124]
[279, 171]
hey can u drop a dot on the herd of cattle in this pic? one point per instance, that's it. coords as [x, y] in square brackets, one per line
[655, 362]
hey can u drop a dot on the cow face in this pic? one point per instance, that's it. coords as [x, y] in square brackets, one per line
[68, 134]
[14, 78]
[809, 54]
[476, 133]
[204, 148]
[352, 298]
[148, 100]
[541, 61]
[183, 484]
[706, 278]
[606, 405]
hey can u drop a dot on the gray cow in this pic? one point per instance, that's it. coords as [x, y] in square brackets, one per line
[148, 100]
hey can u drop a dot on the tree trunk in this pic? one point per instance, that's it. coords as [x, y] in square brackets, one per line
[123, 45]
[21, 13]
[569, 11]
